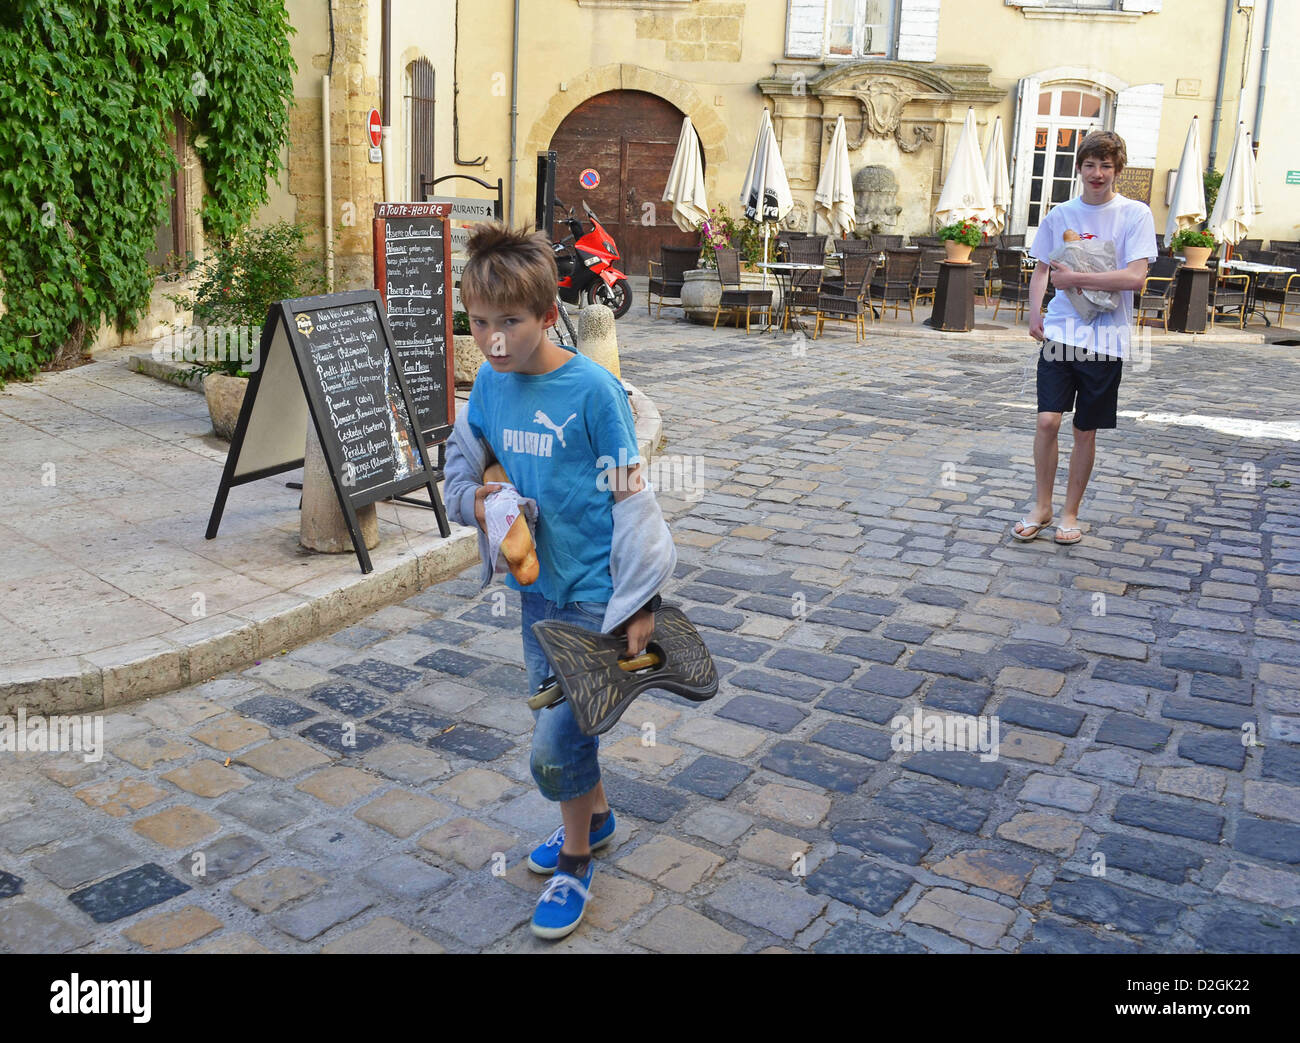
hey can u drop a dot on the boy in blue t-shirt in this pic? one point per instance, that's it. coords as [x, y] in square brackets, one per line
[1080, 362]
[560, 426]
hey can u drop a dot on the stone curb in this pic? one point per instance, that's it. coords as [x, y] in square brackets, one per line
[110, 677]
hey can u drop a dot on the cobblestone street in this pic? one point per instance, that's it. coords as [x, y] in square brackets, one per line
[841, 513]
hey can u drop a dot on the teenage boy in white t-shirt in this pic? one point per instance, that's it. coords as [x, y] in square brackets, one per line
[1080, 362]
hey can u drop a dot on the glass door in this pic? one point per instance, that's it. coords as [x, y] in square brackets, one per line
[1065, 116]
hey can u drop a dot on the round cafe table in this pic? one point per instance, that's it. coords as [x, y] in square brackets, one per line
[1253, 271]
[784, 271]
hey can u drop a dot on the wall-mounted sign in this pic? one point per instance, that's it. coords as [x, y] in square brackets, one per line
[1135, 183]
[589, 179]
[1293, 177]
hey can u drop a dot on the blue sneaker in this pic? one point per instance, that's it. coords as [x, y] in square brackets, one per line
[546, 855]
[561, 905]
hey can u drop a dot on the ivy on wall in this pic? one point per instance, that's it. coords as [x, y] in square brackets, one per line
[89, 90]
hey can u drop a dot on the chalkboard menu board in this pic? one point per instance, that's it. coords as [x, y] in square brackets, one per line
[333, 357]
[413, 275]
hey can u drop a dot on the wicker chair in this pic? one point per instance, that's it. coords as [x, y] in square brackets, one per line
[854, 304]
[1250, 244]
[805, 285]
[735, 299]
[927, 275]
[673, 264]
[1286, 295]
[924, 241]
[886, 242]
[1008, 241]
[893, 285]
[1015, 282]
[1290, 246]
[1227, 293]
[982, 259]
[1157, 290]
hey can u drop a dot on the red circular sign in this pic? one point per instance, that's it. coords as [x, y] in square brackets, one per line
[589, 178]
[373, 123]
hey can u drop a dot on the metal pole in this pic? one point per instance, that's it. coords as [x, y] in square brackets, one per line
[514, 113]
[1223, 76]
[1263, 72]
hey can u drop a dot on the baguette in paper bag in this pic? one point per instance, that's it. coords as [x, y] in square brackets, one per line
[1088, 254]
[506, 509]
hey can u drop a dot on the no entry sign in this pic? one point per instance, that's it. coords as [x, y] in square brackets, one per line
[372, 121]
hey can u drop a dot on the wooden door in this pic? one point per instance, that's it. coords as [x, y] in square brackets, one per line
[628, 138]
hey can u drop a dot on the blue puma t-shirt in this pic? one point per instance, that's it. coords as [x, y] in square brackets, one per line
[550, 432]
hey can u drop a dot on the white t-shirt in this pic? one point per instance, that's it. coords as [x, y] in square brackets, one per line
[1126, 223]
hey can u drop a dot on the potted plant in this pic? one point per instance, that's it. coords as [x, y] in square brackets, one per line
[229, 293]
[1195, 246]
[960, 238]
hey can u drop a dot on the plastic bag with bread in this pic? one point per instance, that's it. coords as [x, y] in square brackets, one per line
[506, 513]
[1088, 254]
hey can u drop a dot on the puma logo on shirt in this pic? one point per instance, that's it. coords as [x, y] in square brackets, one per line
[541, 418]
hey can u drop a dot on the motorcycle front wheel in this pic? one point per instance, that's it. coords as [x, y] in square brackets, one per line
[618, 298]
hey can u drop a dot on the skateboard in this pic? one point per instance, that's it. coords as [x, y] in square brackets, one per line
[599, 685]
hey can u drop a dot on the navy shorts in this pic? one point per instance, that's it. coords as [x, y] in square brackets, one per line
[1073, 380]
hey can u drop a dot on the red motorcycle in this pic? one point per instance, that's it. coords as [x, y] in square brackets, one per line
[586, 263]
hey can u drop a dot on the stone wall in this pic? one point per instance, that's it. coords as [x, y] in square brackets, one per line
[709, 32]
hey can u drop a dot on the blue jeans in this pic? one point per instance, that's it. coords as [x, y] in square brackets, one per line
[564, 760]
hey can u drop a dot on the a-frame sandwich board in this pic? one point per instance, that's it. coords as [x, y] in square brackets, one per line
[330, 358]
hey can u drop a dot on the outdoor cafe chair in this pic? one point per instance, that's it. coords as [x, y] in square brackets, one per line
[1227, 293]
[804, 289]
[981, 258]
[1157, 290]
[1006, 242]
[886, 242]
[735, 299]
[927, 275]
[924, 241]
[673, 264]
[854, 246]
[1249, 244]
[1285, 295]
[1015, 282]
[854, 304]
[893, 285]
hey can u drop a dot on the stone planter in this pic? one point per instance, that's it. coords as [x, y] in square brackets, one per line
[701, 292]
[225, 395]
[468, 359]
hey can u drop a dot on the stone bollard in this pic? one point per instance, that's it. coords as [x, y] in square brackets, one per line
[596, 337]
[322, 526]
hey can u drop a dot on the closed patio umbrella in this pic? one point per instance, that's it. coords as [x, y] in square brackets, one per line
[995, 169]
[1236, 206]
[834, 195]
[966, 193]
[766, 192]
[685, 188]
[1188, 207]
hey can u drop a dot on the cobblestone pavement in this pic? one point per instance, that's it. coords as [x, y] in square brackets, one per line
[843, 549]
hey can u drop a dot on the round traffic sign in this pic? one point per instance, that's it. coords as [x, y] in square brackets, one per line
[589, 178]
[373, 123]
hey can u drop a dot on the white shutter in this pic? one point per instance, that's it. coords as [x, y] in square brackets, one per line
[1137, 121]
[1022, 152]
[805, 29]
[1141, 6]
[918, 31]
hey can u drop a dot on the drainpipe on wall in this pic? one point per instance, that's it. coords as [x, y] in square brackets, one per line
[1223, 75]
[385, 115]
[1263, 73]
[514, 114]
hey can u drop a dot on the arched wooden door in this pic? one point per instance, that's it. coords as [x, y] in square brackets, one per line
[628, 138]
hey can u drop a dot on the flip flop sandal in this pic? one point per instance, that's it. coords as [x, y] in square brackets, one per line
[1072, 528]
[1029, 537]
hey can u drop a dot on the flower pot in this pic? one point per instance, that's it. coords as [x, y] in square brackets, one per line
[468, 359]
[701, 292]
[1197, 255]
[958, 253]
[225, 396]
